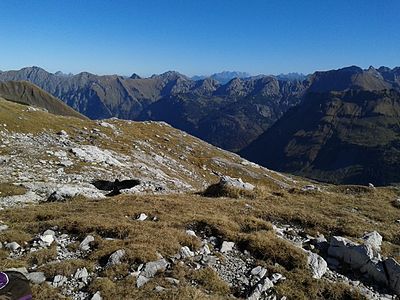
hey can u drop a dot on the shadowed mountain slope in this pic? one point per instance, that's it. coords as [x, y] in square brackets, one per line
[342, 137]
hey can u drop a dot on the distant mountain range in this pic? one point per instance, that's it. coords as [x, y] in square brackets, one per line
[223, 77]
[228, 115]
[338, 126]
[226, 76]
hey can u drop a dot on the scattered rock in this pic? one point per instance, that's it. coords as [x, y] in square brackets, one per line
[59, 280]
[96, 296]
[259, 271]
[85, 244]
[205, 250]
[185, 252]
[47, 238]
[260, 288]
[62, 133]
[3, 227]
[276, 277]
[191, 233]
[172, 280]
[159, 289]
[13, 246]
[82, 274]
[227, 246]
[36, 277]
[94, 154]
[142, 217]
[151, 268]
[116, 257]
[310, 187]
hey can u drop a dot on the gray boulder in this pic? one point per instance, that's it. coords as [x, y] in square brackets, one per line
[259, 272]
[235, 183]
[151, 268]
[85, 244]
[3, 227]
[185, 252]
[351, 253]
[141, 281]
[227, 246]
[13, 246]
[260, 288]
[59, 280]
[115, 258]
[96, 296]
[339, 246]
[317, 264]
[47, 238]
[36, 277]
[82, 274]
[376, 271]
[373, 239]
[393, 272]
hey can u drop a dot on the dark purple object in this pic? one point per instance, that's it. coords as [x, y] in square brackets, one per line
[3, 280]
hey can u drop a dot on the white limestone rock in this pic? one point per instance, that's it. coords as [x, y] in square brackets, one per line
[317, 265]
[116, 257]
[85, 244]
[227, 246]
[235, 183]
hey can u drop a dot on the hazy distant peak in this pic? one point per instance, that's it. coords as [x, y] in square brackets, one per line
[224, 76]
[62, 74]
[170, 75]
[291, 76]
[135, 76]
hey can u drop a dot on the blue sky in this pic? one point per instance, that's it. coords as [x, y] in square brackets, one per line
[198, 36]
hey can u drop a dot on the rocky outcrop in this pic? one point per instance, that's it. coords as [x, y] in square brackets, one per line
[366, 259]
[230, 182]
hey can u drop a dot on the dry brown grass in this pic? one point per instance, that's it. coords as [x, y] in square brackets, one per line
[8, 189]
[245, 221]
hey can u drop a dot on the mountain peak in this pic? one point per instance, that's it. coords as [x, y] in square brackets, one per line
[170, 75]
[135, 76]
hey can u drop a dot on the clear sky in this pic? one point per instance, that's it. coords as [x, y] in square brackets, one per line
[198, 36]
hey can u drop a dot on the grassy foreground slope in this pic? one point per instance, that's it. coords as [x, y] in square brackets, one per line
[245, 218]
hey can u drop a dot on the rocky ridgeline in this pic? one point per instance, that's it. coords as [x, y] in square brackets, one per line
[57, 167]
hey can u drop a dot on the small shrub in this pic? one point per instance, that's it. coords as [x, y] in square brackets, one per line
[221, 190]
